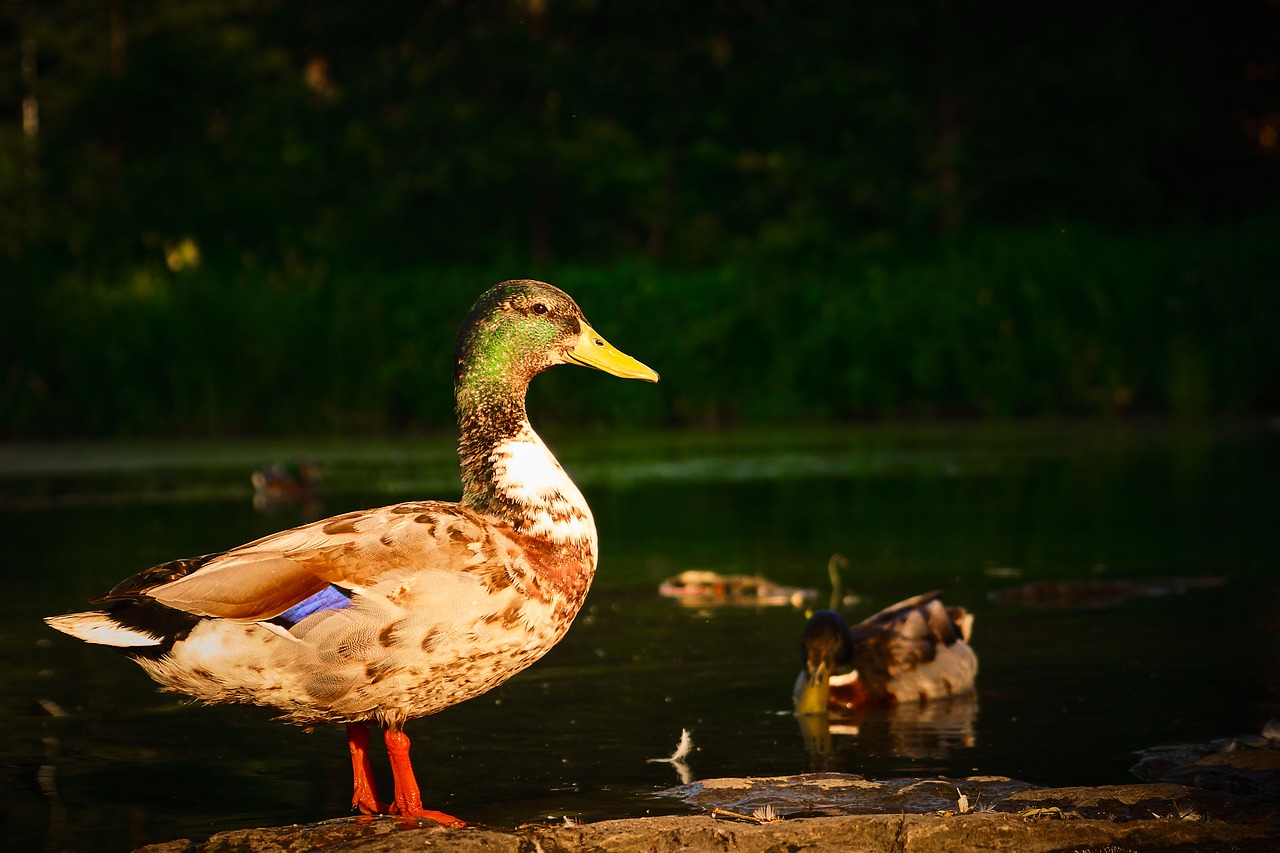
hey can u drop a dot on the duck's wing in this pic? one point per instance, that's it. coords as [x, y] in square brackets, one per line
[919, 617]
[264, 578]
[893, 613]
[905, 636]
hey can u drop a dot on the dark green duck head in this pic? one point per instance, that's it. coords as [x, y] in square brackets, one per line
[518, 329]
[825, 645]
[515, 331]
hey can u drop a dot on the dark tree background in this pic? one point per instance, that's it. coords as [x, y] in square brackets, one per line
[166, 164]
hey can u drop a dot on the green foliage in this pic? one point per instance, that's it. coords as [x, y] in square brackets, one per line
[1031, 322]
[235, 217]
[414, 135]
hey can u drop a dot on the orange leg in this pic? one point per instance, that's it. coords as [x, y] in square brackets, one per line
[408, 801]
[365, 794]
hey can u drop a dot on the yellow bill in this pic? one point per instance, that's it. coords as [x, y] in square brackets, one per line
[594, 351]
[813, 688]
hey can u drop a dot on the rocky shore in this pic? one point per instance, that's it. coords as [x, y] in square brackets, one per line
[1222, 796]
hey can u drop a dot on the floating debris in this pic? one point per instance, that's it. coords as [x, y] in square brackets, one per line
[677, 759]
[1002, 572]
[1089, 594]
[696, 588]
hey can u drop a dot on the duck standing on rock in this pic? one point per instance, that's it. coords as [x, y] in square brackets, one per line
[389, 614]
[915, 651]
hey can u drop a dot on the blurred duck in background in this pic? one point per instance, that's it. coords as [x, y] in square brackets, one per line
[283, 484]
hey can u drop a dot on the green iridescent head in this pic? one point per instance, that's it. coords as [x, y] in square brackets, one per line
[518, 329]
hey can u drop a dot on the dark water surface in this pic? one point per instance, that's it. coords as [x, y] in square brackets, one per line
[94, 759]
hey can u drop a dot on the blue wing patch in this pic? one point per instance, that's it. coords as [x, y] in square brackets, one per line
[329, 598]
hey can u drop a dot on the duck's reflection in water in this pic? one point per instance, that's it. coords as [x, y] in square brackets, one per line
[920, 731]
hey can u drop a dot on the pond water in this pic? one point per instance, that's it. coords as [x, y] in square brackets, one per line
[95, 759]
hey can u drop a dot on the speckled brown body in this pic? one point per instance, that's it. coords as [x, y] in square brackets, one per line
[450, 603]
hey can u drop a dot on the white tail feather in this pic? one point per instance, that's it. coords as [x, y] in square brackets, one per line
[96, 626]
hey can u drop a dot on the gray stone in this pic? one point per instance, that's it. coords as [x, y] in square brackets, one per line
[1248, 766]
[903, 816]
[818, 794]
[905, 833]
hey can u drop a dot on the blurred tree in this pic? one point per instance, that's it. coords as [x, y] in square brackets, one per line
[183, 172]
[271, 131]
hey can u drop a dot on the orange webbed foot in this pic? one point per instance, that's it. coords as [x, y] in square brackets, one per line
[408, 801]
[419, 813]
[368, 805]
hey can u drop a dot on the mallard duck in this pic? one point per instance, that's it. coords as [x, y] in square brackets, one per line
[385, 615]
[915, 651]
[283, 483]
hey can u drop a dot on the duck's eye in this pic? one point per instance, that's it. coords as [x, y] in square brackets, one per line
[539, 308]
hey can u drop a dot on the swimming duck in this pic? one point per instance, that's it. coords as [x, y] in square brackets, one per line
[385, 615]
[283, 483]
[915, 651]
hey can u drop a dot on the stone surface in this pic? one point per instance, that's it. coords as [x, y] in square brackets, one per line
[905, 815]
[821, 794]
[906, 833]
[1248, 766]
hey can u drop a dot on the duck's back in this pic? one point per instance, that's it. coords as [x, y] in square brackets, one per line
[916, 650]
[390, 613]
